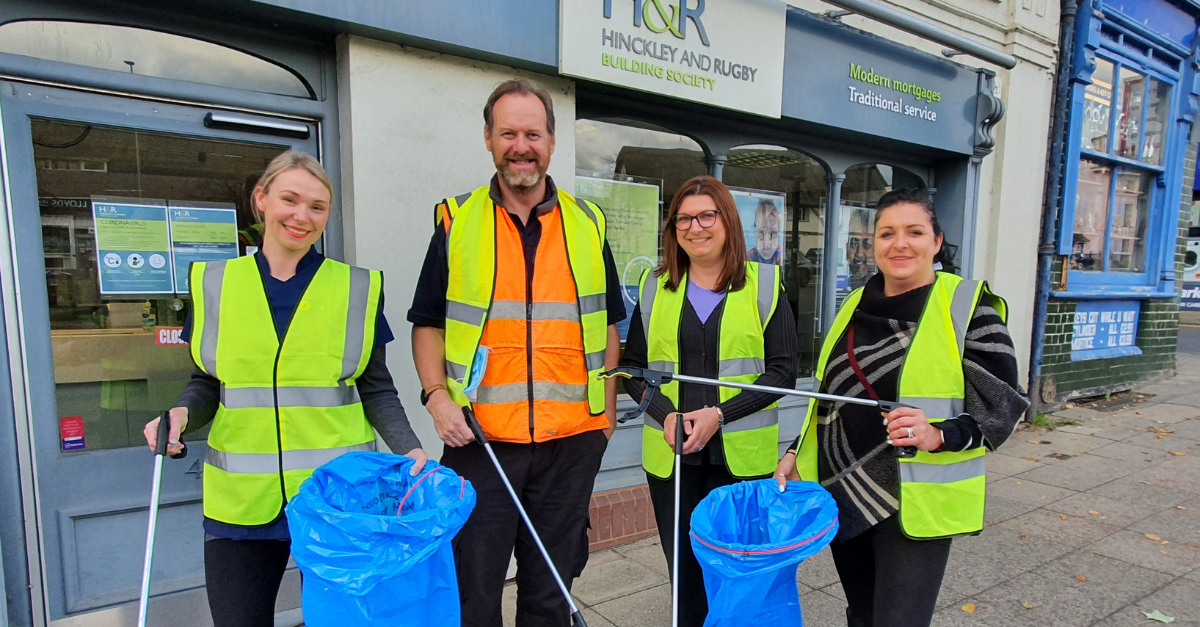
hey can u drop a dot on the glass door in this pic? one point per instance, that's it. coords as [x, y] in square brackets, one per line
[111, 199]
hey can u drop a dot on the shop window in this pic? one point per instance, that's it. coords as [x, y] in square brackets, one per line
[781, 196]
[148, 53]
[1123, 122]
[632, 169]
[865, 184]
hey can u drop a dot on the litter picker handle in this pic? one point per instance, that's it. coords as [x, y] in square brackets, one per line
[474, 426]
[906, 452]
[164, 434]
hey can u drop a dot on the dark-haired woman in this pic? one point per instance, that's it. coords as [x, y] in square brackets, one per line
[936, 342]
[708, 312]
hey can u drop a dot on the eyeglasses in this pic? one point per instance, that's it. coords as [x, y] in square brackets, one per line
[705, 218]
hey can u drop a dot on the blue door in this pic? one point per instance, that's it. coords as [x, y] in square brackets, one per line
[100, 263]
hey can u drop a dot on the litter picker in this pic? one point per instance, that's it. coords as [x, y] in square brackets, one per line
[576, 616]
[655, 379]
[160, 451]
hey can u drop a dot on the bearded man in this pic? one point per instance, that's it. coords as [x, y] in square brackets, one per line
[520, 269]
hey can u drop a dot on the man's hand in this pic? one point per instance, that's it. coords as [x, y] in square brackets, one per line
[448, 420]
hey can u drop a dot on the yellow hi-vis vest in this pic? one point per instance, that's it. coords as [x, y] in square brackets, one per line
[287, 408]
[941, 494]
[471, 253]
[751, 443]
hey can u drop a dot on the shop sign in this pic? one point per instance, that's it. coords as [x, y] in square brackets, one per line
[631, 210]
[169, 336]
[848, 80]
[1190, 299]
[726, 53]
[1103, 329]
[201, 234]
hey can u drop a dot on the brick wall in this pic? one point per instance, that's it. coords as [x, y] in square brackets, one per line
[620, 517]
[1158, 325]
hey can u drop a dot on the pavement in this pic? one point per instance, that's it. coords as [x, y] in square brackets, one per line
[1092, 523]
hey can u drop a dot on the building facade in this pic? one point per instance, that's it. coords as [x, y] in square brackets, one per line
[133, 133]
[1111, 290]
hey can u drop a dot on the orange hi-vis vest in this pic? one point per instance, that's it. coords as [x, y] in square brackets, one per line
[536, 339]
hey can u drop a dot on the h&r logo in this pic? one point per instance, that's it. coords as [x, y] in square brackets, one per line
[674, 21]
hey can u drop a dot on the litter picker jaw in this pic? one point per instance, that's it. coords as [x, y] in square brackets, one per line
[656, 378]
[481, 438]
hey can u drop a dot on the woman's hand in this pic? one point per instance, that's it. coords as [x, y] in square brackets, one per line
[786, 470]
[700, 425]
[905, 420]
[419, 458]
[179, 420]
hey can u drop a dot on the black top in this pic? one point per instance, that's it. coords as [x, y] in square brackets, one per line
[698, 356]
[429, 301]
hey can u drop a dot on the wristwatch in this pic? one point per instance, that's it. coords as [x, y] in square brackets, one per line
[430, 390]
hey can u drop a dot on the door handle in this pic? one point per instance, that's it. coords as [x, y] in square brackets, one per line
[251, 124]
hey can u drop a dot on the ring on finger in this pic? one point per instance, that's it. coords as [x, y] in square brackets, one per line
[910, 433]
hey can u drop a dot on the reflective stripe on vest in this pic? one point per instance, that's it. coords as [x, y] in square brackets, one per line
[750, 443]
[287, 407]
[941, 494]
[486, 309]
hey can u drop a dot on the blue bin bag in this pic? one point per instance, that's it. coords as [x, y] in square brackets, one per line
[749, 539]
[363, 565]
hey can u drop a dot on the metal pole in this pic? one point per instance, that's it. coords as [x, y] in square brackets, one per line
[921, 28]
[145, 598]
[770, 390]
[829, 262]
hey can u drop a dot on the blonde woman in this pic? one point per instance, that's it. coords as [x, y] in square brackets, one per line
[291, 372]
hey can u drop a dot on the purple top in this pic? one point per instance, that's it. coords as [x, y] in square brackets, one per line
[703, 301]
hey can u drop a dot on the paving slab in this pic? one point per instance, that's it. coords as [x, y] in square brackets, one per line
[649, 608]
[1019, 445]
[1179, 526]
[999, 509]
[1008, 465]
[970, 573]
[1135, 548]
[1061, 528]
[1108, 511]
[1172, 474]
[819, 608]
[1005, 545]
[1109, 584]
[1132, 453]
[818, 571]
[1179, 599]
[1084, 472]
[1165, 412]
[1164, 442]
[1188, 428]
[1028, 491]
[651, 556]
[1051, 603]
[1142, 494]
[604, 582]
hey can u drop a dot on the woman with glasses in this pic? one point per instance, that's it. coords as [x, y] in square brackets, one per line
[706, 311]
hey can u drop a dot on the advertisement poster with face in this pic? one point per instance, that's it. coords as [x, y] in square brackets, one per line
[631, 209]
[856, 249]
[762, 214]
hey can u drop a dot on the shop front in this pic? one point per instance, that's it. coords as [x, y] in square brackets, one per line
[131, 140]
[1113, 299]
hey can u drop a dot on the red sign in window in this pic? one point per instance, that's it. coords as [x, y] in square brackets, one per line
[71, 431]
[168, 336]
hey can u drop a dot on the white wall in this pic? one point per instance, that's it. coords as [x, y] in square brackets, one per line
[412, 134]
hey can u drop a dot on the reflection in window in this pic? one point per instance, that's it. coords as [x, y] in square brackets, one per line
[865, 184]
[1158, 109]
[1131, 203]
[1097, 107]
[632, 169]
[1091, 215]
[111, 365]
[1130, 98]
[149, 53]
[762, 178]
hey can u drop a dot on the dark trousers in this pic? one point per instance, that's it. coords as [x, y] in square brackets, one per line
[694, 484]
[554, 480]
[890, 580]
[243, 578]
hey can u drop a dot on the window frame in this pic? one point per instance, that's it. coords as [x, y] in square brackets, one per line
[1157, 239]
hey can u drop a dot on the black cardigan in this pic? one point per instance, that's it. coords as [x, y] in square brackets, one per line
[698, 345]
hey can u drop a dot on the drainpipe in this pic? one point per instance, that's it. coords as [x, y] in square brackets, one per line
[1049, 243]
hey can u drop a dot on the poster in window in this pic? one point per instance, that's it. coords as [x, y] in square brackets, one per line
[632, 209]
[132, 246]
[856, 249]
[762, 214]
[201, 232]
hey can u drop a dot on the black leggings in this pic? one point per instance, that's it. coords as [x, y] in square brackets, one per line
[890, 580]
[243, 578]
